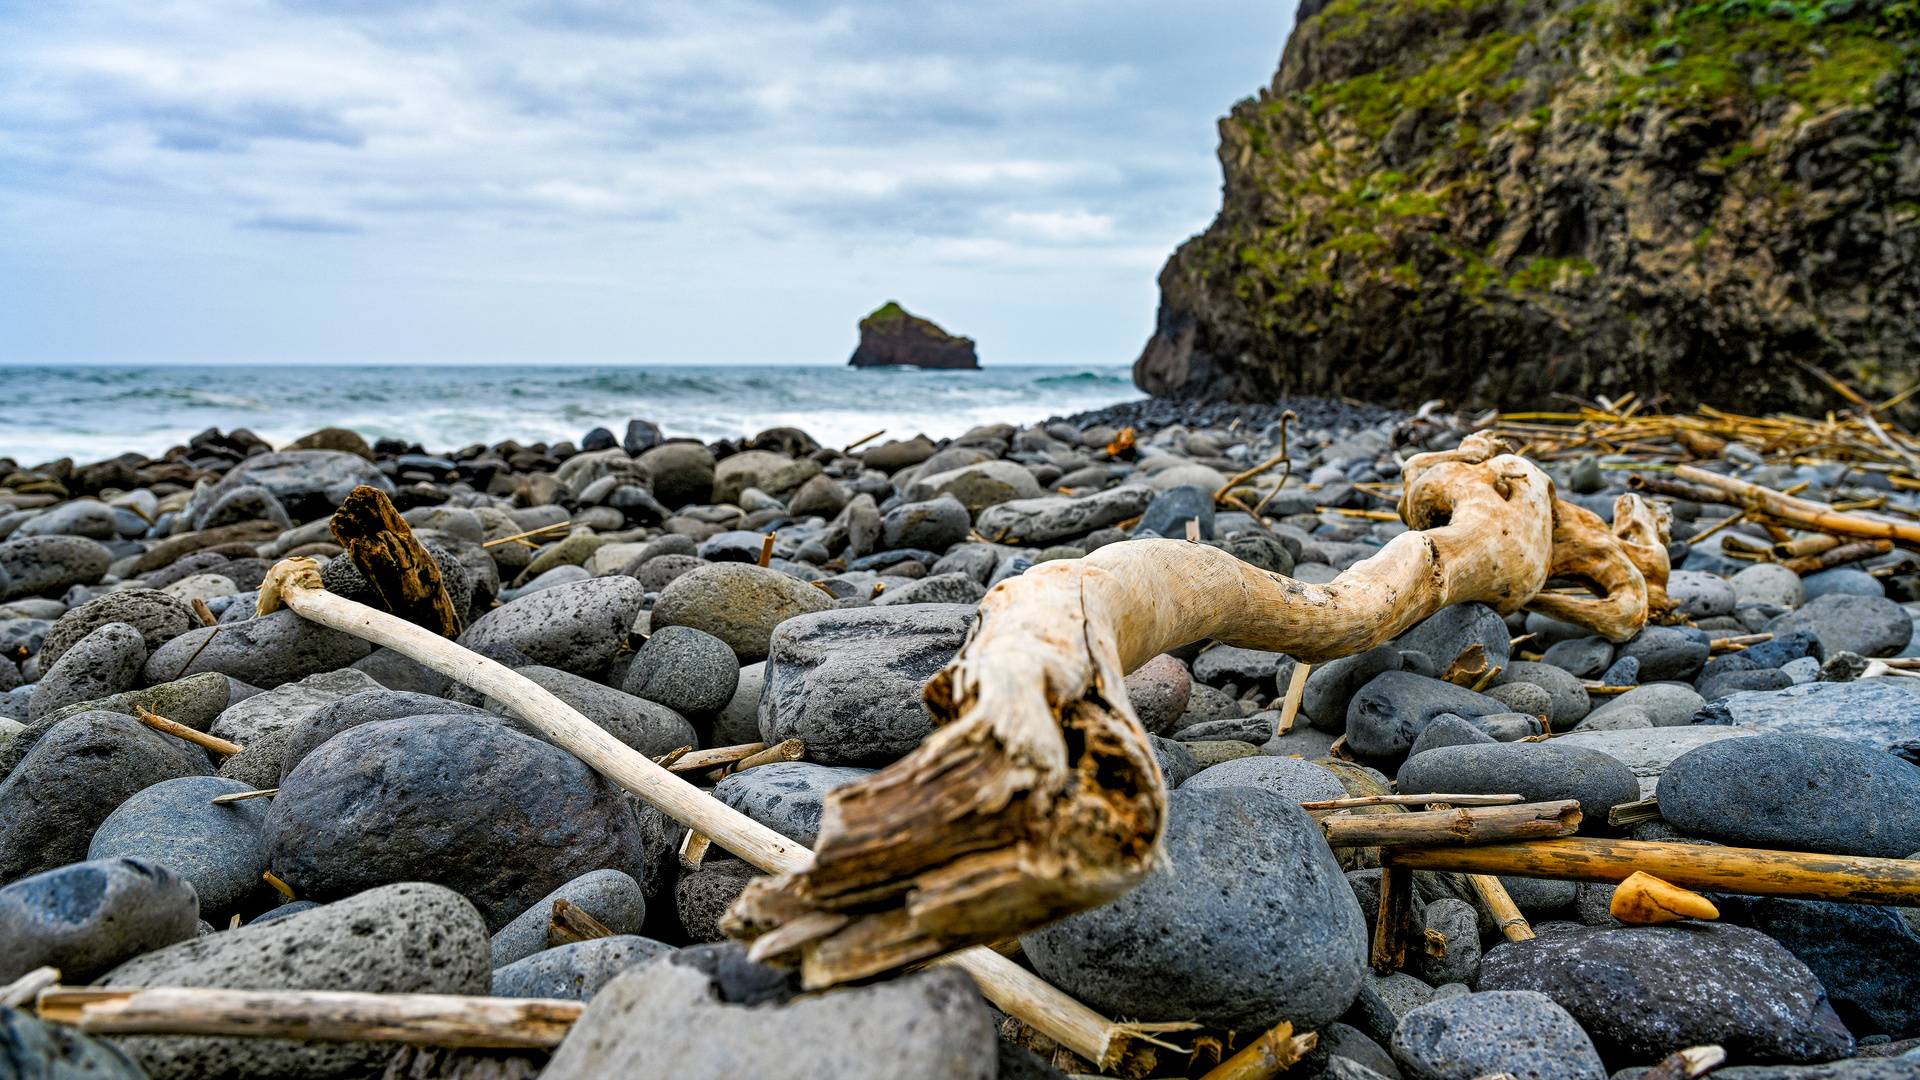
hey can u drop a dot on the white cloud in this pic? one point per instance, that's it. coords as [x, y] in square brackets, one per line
[694, 155]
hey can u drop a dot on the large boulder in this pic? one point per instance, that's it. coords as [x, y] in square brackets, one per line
[265, 651]
[1869, 712]
[694, 1016]
[308, 483]
[1644, 992]
[849, 683]
[1247, 922]
[1797, 792]
[76, 774]
[410, 938]
[737, 603]
[88, 917]
[576, 627]
[890, 336]
[496, 815]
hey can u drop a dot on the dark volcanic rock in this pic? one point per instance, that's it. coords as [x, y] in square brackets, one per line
[687, 670]
[891, 336]
[218, 849]
[502, 818]
[1389, 712]
[1471, 1035]
[1867, 956]
[365, 707]
[159, 618]
[576, 627]
[786, 796]
[1868, 712]
[264, 652]
[1540, 771]
[87, 917]
[39, 1050]
[1645, 991]
[75, 776]
[575, 972]
[1868, 625]
[849, 683]
[1249, 921]
[1798, 792]
[104, 663]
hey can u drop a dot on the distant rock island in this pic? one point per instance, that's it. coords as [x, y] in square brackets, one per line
[891, 336]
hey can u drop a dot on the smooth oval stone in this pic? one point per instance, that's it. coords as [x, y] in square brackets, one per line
[786, 796]
[1295, 779]
[312, 730]
[577, 627]
[1158, 691]
[1644, 992]
[86, 917]
[1452, 630]
[41, 564]
[1448, 730]
[577, 971]
[1471, 1035]
[1798, 792]
[1868, 625]
[1389, 713]
[1701, 595]
[1661, 704]
[737, 603]
[1842, 581]
[501, 817]
[1768, 583]
[73, 778]
[159, 618]
[219, 849]
[104, 663]
[411, 938]
[1665, 653]
[1584, 658]
[687, 670]
[609, 896]
[264, 652]
[1542, 772]
[1247, 921]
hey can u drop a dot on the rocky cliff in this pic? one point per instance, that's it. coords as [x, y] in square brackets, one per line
[891, 335]
[1491, 201]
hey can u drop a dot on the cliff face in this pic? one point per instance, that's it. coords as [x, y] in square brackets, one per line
[890, 336]
[1490, 201]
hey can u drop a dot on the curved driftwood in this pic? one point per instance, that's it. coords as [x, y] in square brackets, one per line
[1039, 795]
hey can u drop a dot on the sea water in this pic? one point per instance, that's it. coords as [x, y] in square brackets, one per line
[95, 412]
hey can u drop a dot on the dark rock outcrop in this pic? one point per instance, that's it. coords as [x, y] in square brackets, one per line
[1491, 202]
[891, 336]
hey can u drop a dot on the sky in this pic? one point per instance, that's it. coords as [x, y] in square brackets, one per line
[590, 181]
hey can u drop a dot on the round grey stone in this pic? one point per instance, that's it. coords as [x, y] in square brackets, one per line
[104, 663]
[1388, 713]
[42, 1049]
[1248, 921]
[502, 818]
[365, 707]
[739, 722]
[1295, 779]
[575, 972]
[648, 727]
[220, 850]
[687, 670]
[264, 652]
[1523, 697]
[1542, 772]
[1842, 581]
[578, 627]
[1448, 730]
[1701, 595]
[737, 603]
[411, 938]
[86, 917]
[308, 483]
[1868, 625]
[1768, 583]
[1665, 653]
[159, 618]
[1583, 658]
[1797, 792]
[40, 564]
[786, 796]
[1568, 702]
[703, 896]
[611, 897]
[1471, 1035]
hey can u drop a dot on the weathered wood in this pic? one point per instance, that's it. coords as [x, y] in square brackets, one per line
[1632, 812]
[240, 796]
[182, 731]
[569, 924]
[1806, 545]
[1296, 690]
[332, 1016]
[1643, 899]
[204, 613]
[1506, 914]
[295, 583]
[1393, 930]
[1803, 514]
[1039, 796]
[27, 987]
[1837, 556]
[1687, 1064]
[1797, 875]
[719, 755]
[1466, 825]
[1266, 1057]
[790, 750]
[395, 564]
[766, 550]
[1413, 800]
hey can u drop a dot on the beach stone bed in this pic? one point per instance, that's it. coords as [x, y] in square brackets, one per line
[425, 832]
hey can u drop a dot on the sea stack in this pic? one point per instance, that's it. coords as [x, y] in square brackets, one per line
[892, 336]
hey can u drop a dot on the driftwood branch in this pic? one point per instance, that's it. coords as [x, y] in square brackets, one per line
[1413, 800]
[182, 731]
[334, 1016]
[1039, 795]
[1393, 931]
[1273, 1053]
[1479, 825]
[569, 924]
[1752, 871]
[1700, 485]
[385, 551]
[1506, 914]
[295, 584]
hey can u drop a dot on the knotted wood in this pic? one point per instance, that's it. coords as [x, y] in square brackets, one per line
[385, 551]
[1039, 796]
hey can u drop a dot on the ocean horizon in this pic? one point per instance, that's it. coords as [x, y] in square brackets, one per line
[91, 411]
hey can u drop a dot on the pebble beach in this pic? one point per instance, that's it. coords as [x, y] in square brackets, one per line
[681, 590]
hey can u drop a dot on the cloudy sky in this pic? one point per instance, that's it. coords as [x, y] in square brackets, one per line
[603, 180]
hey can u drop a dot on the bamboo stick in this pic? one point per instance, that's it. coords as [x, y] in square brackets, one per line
[26, 987]
[1413, 800]
[182, 731]
[1480, 825]
[1793, 874]
[1806, 545]
[1273, 1053]
[1798, 513]
[848, 449]
[327, 1015]
[529, 532]
[1016, 991]
[766, 550]
[1837, 556]
[1506, 914]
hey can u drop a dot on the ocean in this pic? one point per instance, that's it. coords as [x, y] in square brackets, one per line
[94, 412]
